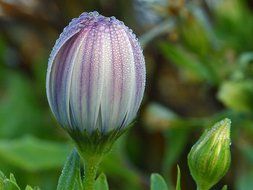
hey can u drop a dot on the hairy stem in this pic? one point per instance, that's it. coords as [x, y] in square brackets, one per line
[91, 166]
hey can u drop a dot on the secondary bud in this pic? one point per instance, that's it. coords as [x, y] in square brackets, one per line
[95, 77]
[209, 159]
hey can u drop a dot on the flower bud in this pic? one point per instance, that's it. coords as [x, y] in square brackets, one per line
[209, 158]
[95, 76]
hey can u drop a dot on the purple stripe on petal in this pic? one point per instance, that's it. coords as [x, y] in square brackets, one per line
[96, 74]
[77, 94]
[59, 79]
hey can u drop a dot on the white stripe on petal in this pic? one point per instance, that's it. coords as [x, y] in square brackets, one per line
[107, 96]
[78, 96]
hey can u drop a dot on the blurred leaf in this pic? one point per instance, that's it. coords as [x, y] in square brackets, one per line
[197, 23]
[245, 59]
[225, 187]
[101, 183]
[33, 154]
[231, 22]
[20, 112]
[116, 166]
[158, 183]
[176, 140]
[186, 61]
[244, 181]
[158, 117]
[244, 67]
[178, 186]
[237, 95]
[69, 173]
[247, 151]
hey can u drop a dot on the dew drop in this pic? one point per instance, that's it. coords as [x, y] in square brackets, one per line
[95, 14]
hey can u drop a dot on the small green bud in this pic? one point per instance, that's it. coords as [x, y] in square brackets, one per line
[210, 157]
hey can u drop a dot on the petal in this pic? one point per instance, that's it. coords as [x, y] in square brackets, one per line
[69, 31]
[140, 77]
[59, 78]
[87, 81]
[119, 81]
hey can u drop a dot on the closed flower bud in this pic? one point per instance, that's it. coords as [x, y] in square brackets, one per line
[210, 157]
[95, 77]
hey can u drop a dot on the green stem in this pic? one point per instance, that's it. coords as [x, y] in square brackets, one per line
[91, 167]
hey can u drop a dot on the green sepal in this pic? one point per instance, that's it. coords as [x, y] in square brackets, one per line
[97, 142]
[101, 183]
[69, 175]
[158, 183]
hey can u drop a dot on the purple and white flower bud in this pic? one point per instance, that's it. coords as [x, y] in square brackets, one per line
[96, 75]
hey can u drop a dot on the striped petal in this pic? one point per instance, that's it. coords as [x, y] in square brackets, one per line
[96, 75]
[119, 81]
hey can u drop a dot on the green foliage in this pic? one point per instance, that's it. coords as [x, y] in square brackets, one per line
[11, 183]
[158, 183]
[33, 154]
[237, 95]
[70, 172]
[116, 166]
[187, 61]
[20, 102]
[244, 180]
[173, 151]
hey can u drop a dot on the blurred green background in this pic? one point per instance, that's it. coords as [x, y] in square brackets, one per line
[199, 58]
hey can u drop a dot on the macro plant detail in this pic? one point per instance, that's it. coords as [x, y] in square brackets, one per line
[141, 95]
[95, 84]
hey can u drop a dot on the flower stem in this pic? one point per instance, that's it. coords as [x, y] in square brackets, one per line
[91, 167]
